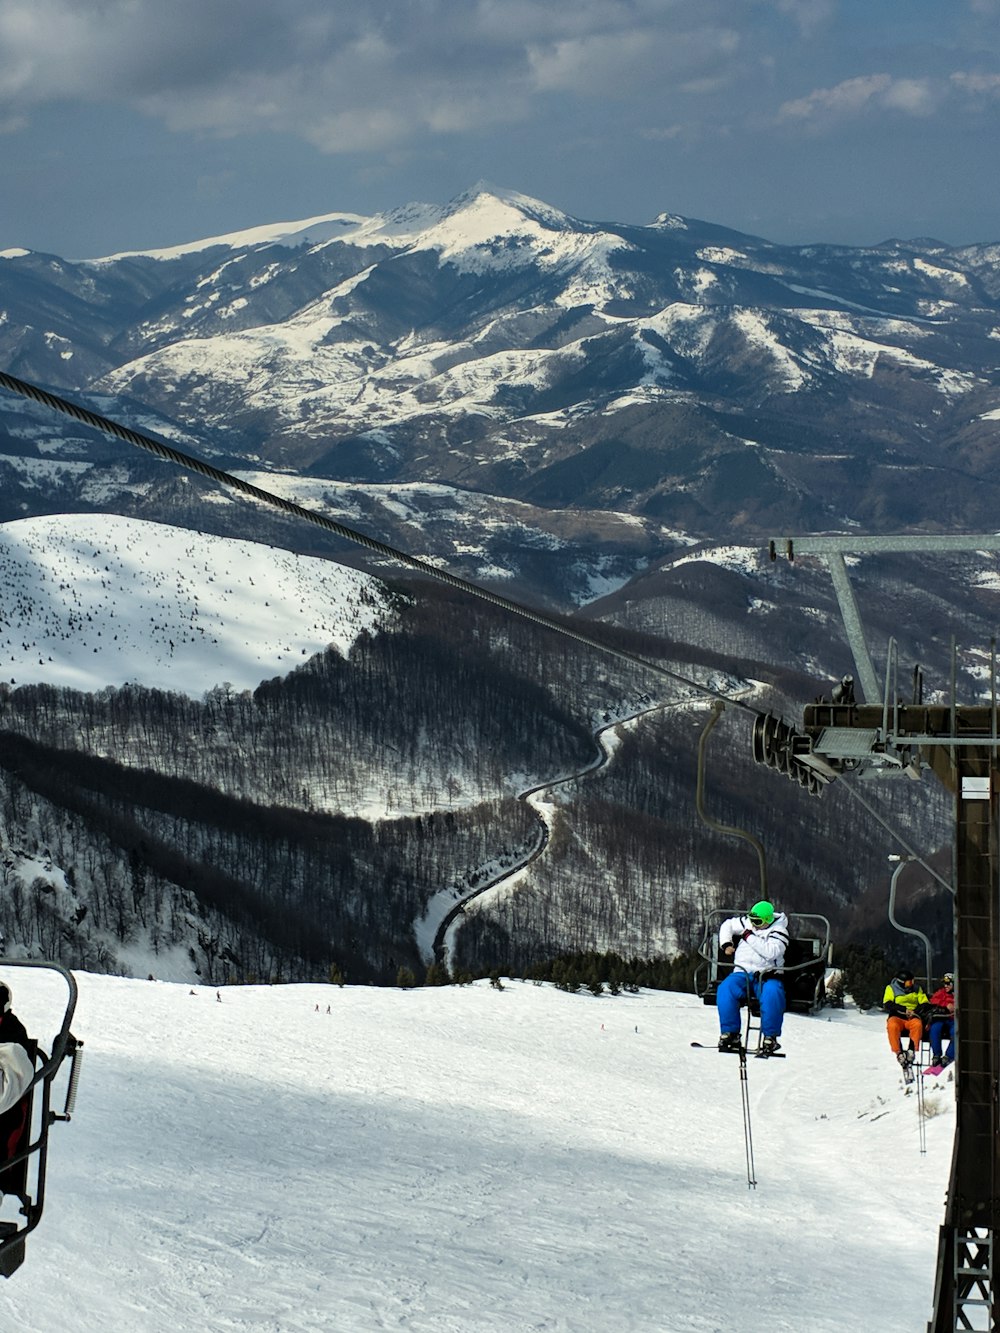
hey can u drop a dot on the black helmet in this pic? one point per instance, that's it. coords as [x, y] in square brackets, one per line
[904, 974]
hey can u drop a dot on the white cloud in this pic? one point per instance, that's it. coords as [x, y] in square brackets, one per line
[384, 78]
[595, 61]
[868, 92]
[363, 75]
[977, 85]
[808, 14]
[917, 97]
[846, 98]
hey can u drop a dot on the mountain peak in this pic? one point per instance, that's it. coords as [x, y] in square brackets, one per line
[481, 219]
[484, 195]
[669, 222]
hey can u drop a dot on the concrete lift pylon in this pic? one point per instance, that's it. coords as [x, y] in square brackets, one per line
[960, 745]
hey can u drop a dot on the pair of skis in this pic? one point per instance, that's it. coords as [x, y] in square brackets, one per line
[740, 1050]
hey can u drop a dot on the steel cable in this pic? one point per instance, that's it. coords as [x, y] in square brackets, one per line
[165, 451]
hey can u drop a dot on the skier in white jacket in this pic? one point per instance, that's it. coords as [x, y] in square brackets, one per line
[16, 1068]
[756, 943]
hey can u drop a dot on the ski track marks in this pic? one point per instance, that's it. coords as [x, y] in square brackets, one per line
[467, 1160]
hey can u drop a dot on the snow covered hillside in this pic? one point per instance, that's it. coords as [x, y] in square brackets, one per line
[308, 1159]
[92, 600]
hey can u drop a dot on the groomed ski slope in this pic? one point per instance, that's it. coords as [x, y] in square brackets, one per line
[466, 1159]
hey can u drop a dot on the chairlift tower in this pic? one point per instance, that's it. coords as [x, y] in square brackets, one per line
[960, 746]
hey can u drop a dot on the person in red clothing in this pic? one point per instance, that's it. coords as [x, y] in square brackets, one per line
[942, 1023]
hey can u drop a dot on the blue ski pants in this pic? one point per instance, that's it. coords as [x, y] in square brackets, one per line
[941, 1028]
[737, 988]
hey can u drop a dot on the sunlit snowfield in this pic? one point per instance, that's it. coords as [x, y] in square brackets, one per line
[465, 1159]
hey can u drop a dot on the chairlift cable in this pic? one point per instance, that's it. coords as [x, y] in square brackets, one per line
[849, 787]
[194, 464]
[699, 800]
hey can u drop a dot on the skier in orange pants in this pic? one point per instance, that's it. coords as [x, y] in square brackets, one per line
[904, 1003]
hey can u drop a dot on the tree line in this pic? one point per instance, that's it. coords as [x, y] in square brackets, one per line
[305, 826]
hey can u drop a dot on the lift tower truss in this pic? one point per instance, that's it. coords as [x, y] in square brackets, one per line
[960, 746]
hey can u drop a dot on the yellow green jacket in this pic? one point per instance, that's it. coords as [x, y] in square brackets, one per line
[900, 1001]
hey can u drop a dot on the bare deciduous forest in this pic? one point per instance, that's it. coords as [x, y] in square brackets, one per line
[299, 831]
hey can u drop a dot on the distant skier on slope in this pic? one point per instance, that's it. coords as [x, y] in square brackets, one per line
[756, 943]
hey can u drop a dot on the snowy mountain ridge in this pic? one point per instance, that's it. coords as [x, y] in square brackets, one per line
[488, 210]
[307, 231]
[704, 382]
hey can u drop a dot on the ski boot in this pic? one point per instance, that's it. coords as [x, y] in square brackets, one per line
[729, 1041]
[769, 1045]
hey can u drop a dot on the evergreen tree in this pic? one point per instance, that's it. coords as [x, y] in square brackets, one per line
[866, 973]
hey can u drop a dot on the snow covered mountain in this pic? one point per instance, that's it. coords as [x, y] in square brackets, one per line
[580, 413]
[691, 377]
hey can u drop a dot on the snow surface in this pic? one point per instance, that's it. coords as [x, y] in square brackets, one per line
[92, 600]
[476, 218]
[307, 231]
[472, 1160]
[742, 559]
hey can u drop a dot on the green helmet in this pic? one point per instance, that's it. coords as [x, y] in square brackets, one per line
[762, 913]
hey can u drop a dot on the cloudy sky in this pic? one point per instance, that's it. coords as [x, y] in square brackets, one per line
[130, 124]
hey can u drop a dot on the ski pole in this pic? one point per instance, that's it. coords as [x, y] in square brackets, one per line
[745, 1099]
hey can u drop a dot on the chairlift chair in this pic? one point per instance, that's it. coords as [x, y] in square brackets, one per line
[22, 1174]
[806, 960]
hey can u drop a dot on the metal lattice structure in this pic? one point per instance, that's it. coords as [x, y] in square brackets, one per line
[961, 747]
